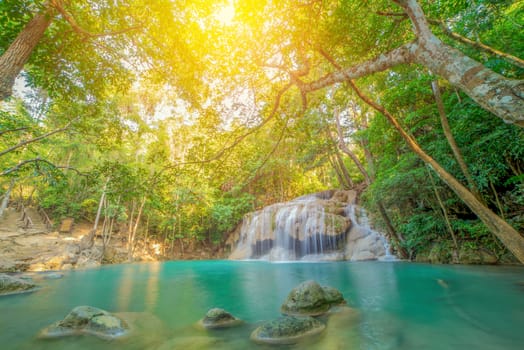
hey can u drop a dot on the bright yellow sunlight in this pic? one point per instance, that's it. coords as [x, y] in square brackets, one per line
[226, 14]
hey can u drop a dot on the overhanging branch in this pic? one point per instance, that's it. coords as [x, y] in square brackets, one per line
[398, 56]
[39, 160]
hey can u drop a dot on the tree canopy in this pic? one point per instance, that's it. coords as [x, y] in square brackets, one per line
[191, 113]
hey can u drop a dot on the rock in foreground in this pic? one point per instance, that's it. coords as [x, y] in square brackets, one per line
[219, 318]
[15, 285]
[287, 330]
[87, 320]
[311, 299]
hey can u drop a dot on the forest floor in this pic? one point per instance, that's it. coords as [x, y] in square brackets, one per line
[38, 249]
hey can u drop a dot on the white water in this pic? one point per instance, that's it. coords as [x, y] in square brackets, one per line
[302, 230]
[364, 243]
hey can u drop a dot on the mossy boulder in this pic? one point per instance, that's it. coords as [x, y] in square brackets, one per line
[469, 255]
[15, 285]
[87, 320]
[219, 318]
[311, 299]
[287, 330]
[333, 296]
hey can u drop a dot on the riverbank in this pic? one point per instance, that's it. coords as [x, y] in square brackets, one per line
[38, 249]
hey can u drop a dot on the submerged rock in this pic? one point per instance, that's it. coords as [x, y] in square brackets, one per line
[52, 275]
[287, 330]
[15, 285]
[87, 320]
[219, 318]
[311, 299]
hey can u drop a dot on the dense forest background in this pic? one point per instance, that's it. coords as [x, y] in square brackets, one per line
[176, 118]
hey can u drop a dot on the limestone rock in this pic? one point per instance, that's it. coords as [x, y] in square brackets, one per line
[15, 285]
[287, 330]
[309, 225]
[219, 318]
[469, 255]
[333, 296]
[310, 299]
[87, 320]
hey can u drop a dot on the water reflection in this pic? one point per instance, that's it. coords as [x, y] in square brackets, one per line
[399, 306]
[151, 293]
[125, 287]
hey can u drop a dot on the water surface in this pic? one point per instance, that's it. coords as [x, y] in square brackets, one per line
[398, 305]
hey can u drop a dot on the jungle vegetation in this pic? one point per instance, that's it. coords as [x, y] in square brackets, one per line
[176, 118]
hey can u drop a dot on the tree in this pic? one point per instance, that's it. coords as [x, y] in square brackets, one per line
[500, 228]
[81, 49]
[17, 54]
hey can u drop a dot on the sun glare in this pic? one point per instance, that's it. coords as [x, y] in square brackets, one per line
[226, 14]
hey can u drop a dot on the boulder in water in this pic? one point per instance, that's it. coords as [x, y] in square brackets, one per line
[15, 285]
[87, 320]
[287, 330]
[311, 299]
[219, 318]
[333, 296]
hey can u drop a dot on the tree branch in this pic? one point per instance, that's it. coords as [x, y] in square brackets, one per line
[12, 130]
[477, 44]
[57, 4]
[417, 17]
[39, 160]
[41, 137]
[400, 55]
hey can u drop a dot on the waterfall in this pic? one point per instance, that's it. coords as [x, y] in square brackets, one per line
[364, 243]
[313, 227]
[306, 228]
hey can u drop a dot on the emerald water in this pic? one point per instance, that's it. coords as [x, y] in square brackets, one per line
[399, 305]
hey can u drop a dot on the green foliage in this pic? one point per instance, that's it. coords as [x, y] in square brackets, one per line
[175, 110]
[227, 213]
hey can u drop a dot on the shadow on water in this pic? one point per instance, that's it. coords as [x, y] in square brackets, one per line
[395, 305]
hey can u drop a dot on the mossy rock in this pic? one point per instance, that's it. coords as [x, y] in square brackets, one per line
[311, 299]
[333, 296]
[219, 318]
[287, 330]
[87, 320]
[469, 255]
[15, 285]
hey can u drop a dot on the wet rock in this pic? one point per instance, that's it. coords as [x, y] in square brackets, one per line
[333, 296]
[287, 330]
[219, 318]
[310, 299]
[15, 285]
[87, 320]
[469, 255]
[87, 262]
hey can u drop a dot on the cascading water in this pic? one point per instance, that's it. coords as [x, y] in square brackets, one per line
[364, 243]
[313, 227]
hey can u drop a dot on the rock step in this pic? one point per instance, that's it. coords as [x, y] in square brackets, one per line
[38, 225]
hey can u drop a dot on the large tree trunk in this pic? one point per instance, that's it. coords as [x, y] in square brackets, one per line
[502, 96]
[495, 93]
[17, 54]
[500, 228]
